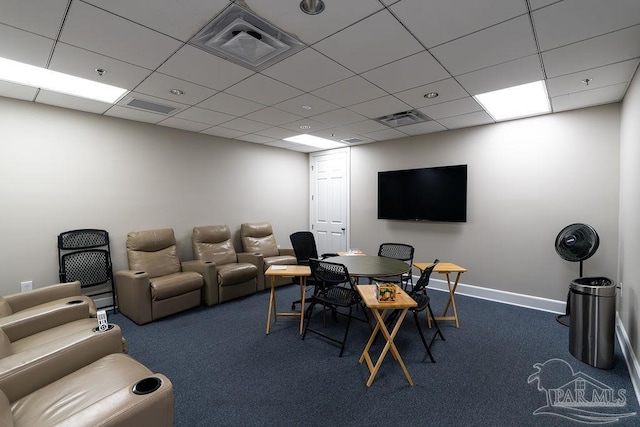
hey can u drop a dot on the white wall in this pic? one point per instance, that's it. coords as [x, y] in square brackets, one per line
[629, 271]
[527, 179]
[63, 169]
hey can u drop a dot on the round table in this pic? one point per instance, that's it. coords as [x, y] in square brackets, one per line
[371, 266]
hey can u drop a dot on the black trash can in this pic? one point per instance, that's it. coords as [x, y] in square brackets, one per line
[592, 303]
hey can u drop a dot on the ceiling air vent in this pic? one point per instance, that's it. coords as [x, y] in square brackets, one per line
[352, 140]
[403, 118]
[154, 107]
[246, 39]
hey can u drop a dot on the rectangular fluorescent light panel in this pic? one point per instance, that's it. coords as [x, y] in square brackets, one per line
[314, 141]
[29, 75]
[518, 101]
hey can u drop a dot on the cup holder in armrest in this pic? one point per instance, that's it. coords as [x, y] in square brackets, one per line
[75, 301]
[109, 327]
[147, 385]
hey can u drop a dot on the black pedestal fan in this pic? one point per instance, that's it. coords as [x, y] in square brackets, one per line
[575, 243]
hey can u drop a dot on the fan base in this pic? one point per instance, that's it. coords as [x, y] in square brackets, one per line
[563, 319]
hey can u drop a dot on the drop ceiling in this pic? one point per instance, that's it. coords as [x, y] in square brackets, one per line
[362, 59]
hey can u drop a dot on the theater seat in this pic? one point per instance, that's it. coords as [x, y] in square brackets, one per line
[115, 390]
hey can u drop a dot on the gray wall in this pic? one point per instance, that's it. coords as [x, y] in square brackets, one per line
[629, 271]
[527, 179]
[63, 169]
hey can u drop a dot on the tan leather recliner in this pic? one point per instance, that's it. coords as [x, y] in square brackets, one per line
[230, 275]
[155, 285]
[258, 238]
[113, 391]
[40, 359]
[28, 313]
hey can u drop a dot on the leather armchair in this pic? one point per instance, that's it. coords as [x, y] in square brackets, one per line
[113, 391]
[28, 313]
[40, 359]
[258, 238]
[230, 275]
[155, 285]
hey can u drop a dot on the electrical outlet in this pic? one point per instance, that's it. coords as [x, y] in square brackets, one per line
[26, 286]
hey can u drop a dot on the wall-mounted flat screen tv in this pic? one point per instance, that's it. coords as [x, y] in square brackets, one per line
[428, 194]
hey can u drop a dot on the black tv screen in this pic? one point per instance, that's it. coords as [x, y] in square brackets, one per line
[428, 194]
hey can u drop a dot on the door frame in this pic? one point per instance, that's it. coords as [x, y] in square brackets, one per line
[312, 189]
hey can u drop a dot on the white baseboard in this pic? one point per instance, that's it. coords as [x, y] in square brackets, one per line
[544, 304]
[629, 356]
[504, 297]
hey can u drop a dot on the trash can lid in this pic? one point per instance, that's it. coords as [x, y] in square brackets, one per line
[598, 286]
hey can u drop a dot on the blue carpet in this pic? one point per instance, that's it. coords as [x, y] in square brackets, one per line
[227, 372]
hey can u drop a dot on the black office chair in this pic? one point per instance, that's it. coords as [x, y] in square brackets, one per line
[333, 289]
[402, 252]
[419, 294]
[304, 246]
[85, 255]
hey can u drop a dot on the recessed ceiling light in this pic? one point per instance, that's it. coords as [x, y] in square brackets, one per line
[28, 75]
[312, 7]
[431, 95]
[307, 107]
[518, 101]
[305, 127]
[176, 92]
[314, 141]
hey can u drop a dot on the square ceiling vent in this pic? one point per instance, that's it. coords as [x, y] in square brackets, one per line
[246, 39]
[403, 118]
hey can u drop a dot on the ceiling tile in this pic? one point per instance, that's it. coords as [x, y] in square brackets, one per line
[37, 16]
[436, 22]
[467, 120]
[245, 125]
[385, 134]
[287, 16]
[353, 90]
[452, 108]
[339, 117]
[297, 105]
[512, 73]
[587, 98]
[83, 63]
[24, 47]
[230, 104]
[423, 128]
[370, 43]
[102, 32]
[272, 116]
[160, 85]
[613, 47]
[174, 18]
[447, 90]
[13, 90]
[223, 132]
[415, 70]
[537, 4]
[313, 126]
[258, 139]
[277, 133]
[202, 115]
[504, 42]
[72, 102]
[380, 107]
[133, 114]
[307, 70]
[570, 21]
[177, 123]
[621, 72]
[197, 66]
[263, 89]
[365, 126]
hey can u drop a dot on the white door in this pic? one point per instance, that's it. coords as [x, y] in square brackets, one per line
[329, 207]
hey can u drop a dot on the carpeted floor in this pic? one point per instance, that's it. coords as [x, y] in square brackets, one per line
[227, 372]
